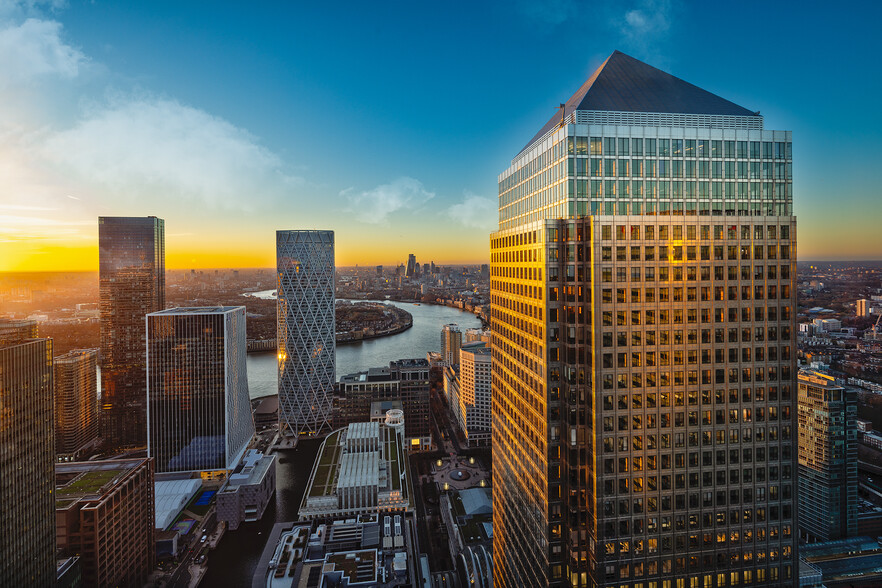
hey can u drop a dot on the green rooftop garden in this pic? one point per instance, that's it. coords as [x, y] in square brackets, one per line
[325, 479]
[88, 483]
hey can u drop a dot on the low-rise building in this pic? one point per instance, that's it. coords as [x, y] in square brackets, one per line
[361, 469]
[371, 551]
[405, 380]
[248, 490]
[104, 514]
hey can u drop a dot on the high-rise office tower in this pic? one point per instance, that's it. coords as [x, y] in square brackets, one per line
[131, 252]
[451, 342]
[199, 412]
[27, 457]
[643, 306]
[104, 513]
[306, 331]
[472, 409]
[411, 265]
[76, 402]
[828, 476]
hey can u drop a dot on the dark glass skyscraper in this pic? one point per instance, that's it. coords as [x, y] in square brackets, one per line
[132, 284]
[199, 412]
[643, 305]
[27, 457]
[76, 402]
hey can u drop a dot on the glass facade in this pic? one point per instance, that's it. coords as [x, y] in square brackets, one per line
[27, 457]
[644, 398]
[199, 408]
[828, 476]
[306, 331]
[577, 172]
[131, 252]
[76, 402]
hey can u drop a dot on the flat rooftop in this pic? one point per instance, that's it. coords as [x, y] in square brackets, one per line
[91, 479]
[184, 310]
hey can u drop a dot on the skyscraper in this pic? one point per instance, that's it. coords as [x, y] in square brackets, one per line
[131, 253]
[411, 266]
[828, 460]
[27, 457]
[199, 412]
[451, 342]
[306, 331]
[643, 343]
[472, 408]
[76, 402]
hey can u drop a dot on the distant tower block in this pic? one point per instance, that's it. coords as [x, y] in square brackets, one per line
[306, 328]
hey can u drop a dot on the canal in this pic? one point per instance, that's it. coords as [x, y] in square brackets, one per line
[233, 562]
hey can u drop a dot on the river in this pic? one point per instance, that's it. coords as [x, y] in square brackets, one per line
[424, 336]
[233, 562]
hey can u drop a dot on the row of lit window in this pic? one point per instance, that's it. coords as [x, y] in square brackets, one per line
[664, 379]
[681, 316]
[678, 274]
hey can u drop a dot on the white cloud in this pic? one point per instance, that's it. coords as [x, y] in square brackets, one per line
[375, 206]
[644, 26]
[34, 50]
[475, 212]
[162, 150]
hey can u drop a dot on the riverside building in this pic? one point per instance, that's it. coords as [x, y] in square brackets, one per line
[306, 331]
[643, 299]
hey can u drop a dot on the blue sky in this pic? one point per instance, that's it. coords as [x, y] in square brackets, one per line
[385, 121]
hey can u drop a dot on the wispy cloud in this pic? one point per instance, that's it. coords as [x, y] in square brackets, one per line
[157, 148]
[376, 205]
[33, 50]
[644, 26]
[475, 212]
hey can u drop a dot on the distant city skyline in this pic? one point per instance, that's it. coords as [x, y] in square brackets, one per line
[392, 135]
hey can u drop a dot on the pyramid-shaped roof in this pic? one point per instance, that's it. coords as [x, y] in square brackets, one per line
[625, 84]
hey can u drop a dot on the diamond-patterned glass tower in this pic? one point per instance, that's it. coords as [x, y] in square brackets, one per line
[306, 329]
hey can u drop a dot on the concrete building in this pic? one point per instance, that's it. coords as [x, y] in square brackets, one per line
[361, 469]
[27, 454]
[472, 409]
[104, 514]
[306, 331]
[828, 472]
[643, 304]
[373, 551]
[131, 277]
[475, 335]
[76, 403]
[405, 380]
[248, 490]
[827, 325]
[863, 307]
[451, 342]
[199, 409]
